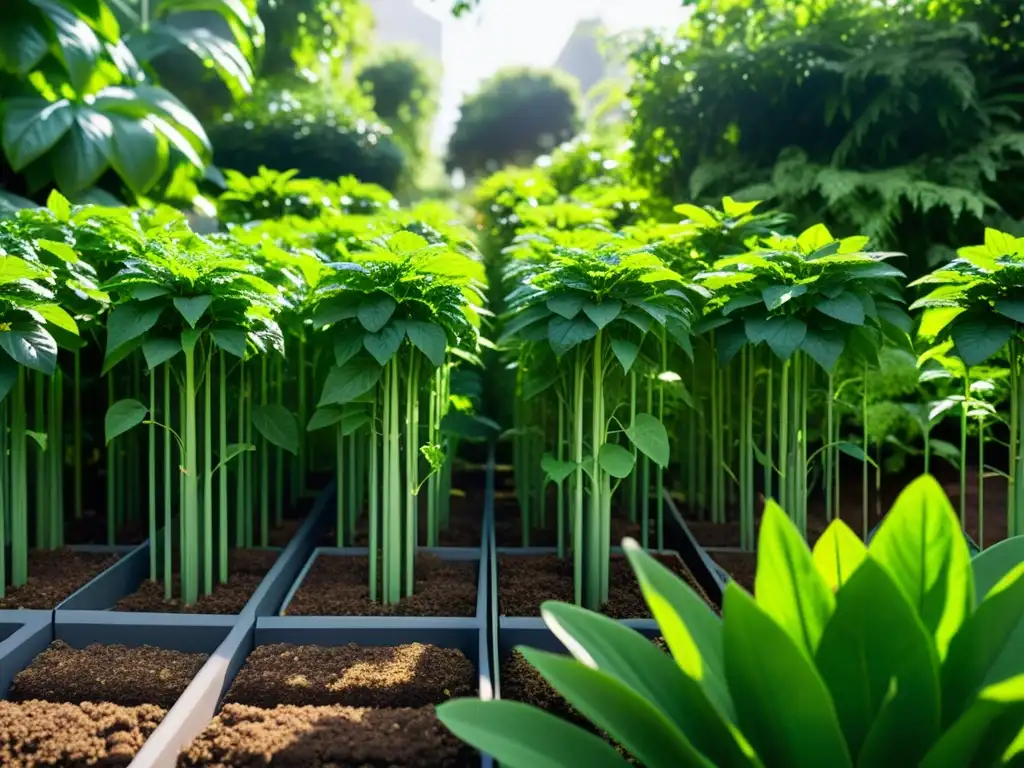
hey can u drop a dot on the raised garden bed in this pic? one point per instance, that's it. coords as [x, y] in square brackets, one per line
[54, 575]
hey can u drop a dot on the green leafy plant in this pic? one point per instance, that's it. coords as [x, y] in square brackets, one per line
[846, 655]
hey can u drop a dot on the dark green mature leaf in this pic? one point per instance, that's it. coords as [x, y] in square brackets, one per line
[31, 127]
[31, 345]
[978, 338]
[192, 308]
[79, 45]
[838, 554]
[982, 734]
[385, 343]
[429, 339]
[539, 381]
[231, 340]
[1011, 308]
[520, 736]
[137, 152]
[122, 416]
[788, 586]
[128, 322]
[762, 662]
[783, 334]
[991, 566]
[633, 660]
[987, 649]
[625, 351]
[375, 311]
[649, 436]
[523, 319]
[347, 382]
[824, 347]
[347, 345]
[278, 426]
[613, 707]
[845, 307]
[616, 460]
[556, 470]
[334, 309]
[774, 296]
[8, 376]
[603, 313]
[565, 334]
[921, 546]
[566, 305]
[158, 351]
[80, 158]
[880, 666]
[325, 417]
[729, 340]
[23, 45]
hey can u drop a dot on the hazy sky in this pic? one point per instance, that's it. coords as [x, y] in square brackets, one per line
[524, 32]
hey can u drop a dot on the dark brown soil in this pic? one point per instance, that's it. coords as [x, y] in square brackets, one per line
[321, 737]
[413, 675]
[128, 677]
[741, 566]
[339, 586]
[247, 569]
[53, 575]
[526, 581]
[282, 534]
[34, 734]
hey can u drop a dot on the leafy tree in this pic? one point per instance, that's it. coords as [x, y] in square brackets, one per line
[515, 116]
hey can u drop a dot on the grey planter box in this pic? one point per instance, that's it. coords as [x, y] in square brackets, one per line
[23, 636]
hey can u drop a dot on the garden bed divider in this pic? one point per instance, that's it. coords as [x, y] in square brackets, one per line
[23, 635]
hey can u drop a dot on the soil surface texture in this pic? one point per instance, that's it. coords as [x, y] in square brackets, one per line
[53, 576]
[339, 586]
[741, 566]
[125, 676]
[34, 734]
[247, 568]
[526, 581]
[413, 675]
[317, 737]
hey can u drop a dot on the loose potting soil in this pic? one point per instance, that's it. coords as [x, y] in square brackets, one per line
[53, 576]
[345, 707]
[90, 707]
[527, 581]
[246, 569]
[338, 586]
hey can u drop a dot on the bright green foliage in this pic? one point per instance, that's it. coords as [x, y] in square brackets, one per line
[843, 657]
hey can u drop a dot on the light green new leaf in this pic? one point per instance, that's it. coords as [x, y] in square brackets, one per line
[59, 206]
[556, 470]
[649, 436]
[192, 308]
[375, 311]
[517, 735]
[789, 588]
[13, 269]
[921, 546]
[603, 313]
[879, 663]
[158, 351]
[122, 416]
[347, 382]
[62, 251]
[429, 339]
[762, 664]
[616, 460]
[385, 343]
[813, 238]
[55, 316]
[838, 554]
[625, 715]
[278, 426]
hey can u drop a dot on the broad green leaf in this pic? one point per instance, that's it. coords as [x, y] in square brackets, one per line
[325, 417]
[566, 305]
[122, 416]
[128, 322]
[607, 645]
[625, 715]
[564, 334]
[429, 339]
[517, 735]
[80, 158]
[231, 340]
[138, 152]
[31, 127]
[697, 215]
[921, 546]
[729, 340]
[625, 351]
[62, 251]
[59, 206]
[783, 334]
[838, 554]
[13, 269]
[522, 320]
[603, 313]
[736, 209]
[353, 421]
[691, 630]
[147, 291]
[346, 346]
[347, 382]
[762, 663]
[789, 588]
[277, 425]
[31, 346]
[880, 666]
[385, 343]
[556, 470]
[991, 566]
[774, 296]
[856, 452]
[1011, 308]
[616, 460]
[375, 311]
[824, 347]
[335, 309]
[192, 308]
[988, 648]
[649, 436]
[158, 351]
[987, 729]
[814, 238]
[979, 338]
[234, 450]
[846, 308]
[54, 316]
[934, 320]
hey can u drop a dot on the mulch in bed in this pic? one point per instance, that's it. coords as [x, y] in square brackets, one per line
[247, 568]
[346, 707]
[90, 706]
[527, 581]
[53, 576]
[339, 586]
